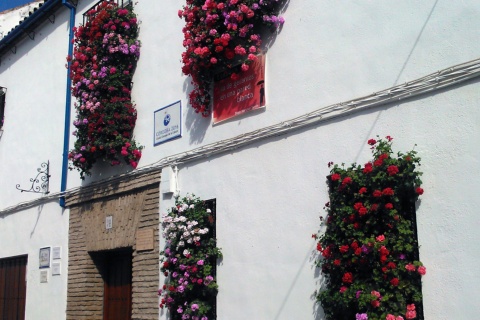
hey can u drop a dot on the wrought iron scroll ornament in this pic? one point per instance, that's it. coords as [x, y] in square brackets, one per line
[40, 182]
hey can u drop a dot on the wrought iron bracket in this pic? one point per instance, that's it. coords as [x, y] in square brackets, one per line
[40, 182]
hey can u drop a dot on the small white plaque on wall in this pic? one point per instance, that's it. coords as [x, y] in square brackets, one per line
[43, 276]
[56, 253]
[56, 268]
[109, 222]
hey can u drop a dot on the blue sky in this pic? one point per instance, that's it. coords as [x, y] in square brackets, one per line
[7, 4]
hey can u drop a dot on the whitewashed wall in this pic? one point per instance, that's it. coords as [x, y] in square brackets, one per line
[35, 78]
[270, 194]
[24, 233]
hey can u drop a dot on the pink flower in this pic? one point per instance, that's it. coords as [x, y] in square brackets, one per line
[200, 262]
[380, 238]
[410, 267]
[113, 70]
[422, 270]
[411, 314]
[244, 67]
[343, 289]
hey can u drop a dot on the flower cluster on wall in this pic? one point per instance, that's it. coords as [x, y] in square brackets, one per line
[222, 37]
[369, 251]
[189, 260]
[106, 50]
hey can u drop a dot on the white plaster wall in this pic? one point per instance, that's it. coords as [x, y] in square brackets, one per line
[270, 196]
[24, 233]
[327, 52]
[35, 78]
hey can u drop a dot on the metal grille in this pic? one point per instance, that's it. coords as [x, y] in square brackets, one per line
[119, 3]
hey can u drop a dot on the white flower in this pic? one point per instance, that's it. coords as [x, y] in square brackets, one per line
[192, 206]
[181, 243]
[209, 211]
[186, 252]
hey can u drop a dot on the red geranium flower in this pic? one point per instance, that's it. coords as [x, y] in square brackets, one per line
[388, 192]
[392, 170]
[347, 277]
[394, 282]
[335, 177]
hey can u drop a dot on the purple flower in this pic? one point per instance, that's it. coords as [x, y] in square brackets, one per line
[194, 307]
[365, 249]
[200, 262]
[180, 310]
[361, 316]
[357, 295]
[208, 279]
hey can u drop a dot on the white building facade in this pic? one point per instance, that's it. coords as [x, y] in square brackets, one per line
[337, 74]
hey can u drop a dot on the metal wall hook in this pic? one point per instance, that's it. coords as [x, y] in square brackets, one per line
[40, 182]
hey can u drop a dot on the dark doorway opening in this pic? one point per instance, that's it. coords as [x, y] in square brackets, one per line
[13, 287]
[115, 266]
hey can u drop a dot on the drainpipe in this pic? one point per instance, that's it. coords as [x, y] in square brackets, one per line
[68, 104]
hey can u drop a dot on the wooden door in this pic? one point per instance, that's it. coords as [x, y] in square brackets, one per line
[117, 303]
[13, 288]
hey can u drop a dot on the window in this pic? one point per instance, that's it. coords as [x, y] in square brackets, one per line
[13, 287]
[3, 92]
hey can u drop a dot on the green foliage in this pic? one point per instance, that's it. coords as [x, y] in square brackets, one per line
[369, 251]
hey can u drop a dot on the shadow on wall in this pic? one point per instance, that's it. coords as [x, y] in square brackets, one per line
[194, 122]
[310, 259]
[39, 212]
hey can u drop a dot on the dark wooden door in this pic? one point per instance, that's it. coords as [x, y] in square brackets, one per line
[13, 288]
[117, 303]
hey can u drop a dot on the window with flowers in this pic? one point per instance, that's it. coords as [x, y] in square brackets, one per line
[369, 250]
[189, 260]
[223, 37]
[106, 50]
